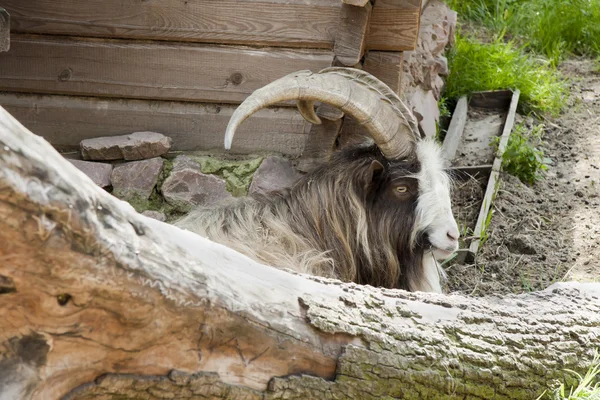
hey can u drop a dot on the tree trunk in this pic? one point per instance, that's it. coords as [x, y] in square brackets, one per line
[99, 302]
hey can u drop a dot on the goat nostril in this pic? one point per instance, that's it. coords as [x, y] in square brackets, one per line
[452, 235]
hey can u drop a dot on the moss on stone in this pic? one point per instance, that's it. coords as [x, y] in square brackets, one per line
[237, 174]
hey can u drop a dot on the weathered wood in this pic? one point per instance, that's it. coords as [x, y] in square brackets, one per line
[322, 139]
[394, 25]
[387, 66]
[351, 34]
[492, 186]
[65, 120]
[288, 23]
[4, 30]
[358, 3]
[491, 99]
[100, 302]
[454, 134]
[115, 68]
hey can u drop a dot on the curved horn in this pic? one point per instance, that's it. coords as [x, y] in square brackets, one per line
[362, 96]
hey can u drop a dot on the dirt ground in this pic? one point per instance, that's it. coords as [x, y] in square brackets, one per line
[550, 231]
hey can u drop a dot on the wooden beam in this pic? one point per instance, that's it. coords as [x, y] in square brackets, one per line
[352, 34]
[64, 121]
[116, 68]
[358, 3]
[287, 23]
[387, 66]
[492, 186]
[394, 25]
[4, 30]
[321, 141]
[455, 130]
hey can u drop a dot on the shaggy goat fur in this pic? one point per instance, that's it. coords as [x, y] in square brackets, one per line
[344, 220]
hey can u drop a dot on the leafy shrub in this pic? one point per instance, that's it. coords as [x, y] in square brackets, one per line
[522, 158]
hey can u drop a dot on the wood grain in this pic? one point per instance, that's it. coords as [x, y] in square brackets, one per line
[64, 121]
[359, 3]
[394, 25]
[99, 302]
[352, 34]
[115, 68]
[387, 66]
[289, 23]
[454, 135]
[492, 186]
[4, 30]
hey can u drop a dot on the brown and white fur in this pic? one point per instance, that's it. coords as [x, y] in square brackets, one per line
[360, 217]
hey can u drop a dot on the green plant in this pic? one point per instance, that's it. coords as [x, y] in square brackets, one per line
[588, 387]
[554, 28]
[522, 158]
[442, 124]
[476, 66]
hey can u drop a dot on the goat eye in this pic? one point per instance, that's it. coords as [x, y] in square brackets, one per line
[401, 189]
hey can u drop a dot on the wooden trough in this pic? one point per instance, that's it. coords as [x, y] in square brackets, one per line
[468, 146]
[77, 70]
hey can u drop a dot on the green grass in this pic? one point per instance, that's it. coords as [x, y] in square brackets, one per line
[476, 66]
[588, 387]
[522, 158]
[554, 28]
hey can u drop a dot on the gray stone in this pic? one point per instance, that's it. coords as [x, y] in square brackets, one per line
[99, 173]
[274, 173]
[187, 186]
[155, 215]
[136, 178]
[136, 146]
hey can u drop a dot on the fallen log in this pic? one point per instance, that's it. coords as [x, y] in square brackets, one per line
[99, 302]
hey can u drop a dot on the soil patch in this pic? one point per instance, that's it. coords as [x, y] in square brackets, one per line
[550, 231]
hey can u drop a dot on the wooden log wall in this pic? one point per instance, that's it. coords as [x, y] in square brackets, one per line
[80, 69]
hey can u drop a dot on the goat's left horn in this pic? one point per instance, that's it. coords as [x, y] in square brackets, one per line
[358, 94]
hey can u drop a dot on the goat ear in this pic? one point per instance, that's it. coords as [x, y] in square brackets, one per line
[375, 169]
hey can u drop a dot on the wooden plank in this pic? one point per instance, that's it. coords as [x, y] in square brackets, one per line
[4, 30]
[320, 143]
[455, 130]
[106, 67]
[491, 99]
[394, 25]
[358, 3]
[288, 23]
[65, 120]
[492, 186]
[352, 34]
[387, 66]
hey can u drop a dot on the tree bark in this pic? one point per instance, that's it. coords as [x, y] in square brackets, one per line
[97, 302]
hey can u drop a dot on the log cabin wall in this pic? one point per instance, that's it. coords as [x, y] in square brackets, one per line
[82, 69]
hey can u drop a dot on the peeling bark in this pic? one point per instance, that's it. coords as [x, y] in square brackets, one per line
[97, 301]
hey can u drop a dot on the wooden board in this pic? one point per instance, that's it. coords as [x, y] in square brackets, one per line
[491, 99]
[394, 25]
[492, 186]
[455, 130]
[387, 66]
[352, 34]
[115, 68]
[288, 23]
[320, 143]
[4, 30]
[65, 120]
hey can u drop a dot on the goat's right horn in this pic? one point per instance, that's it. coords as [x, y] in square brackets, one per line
[358, 94]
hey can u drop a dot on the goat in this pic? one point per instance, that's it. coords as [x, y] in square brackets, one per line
[378, 213]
